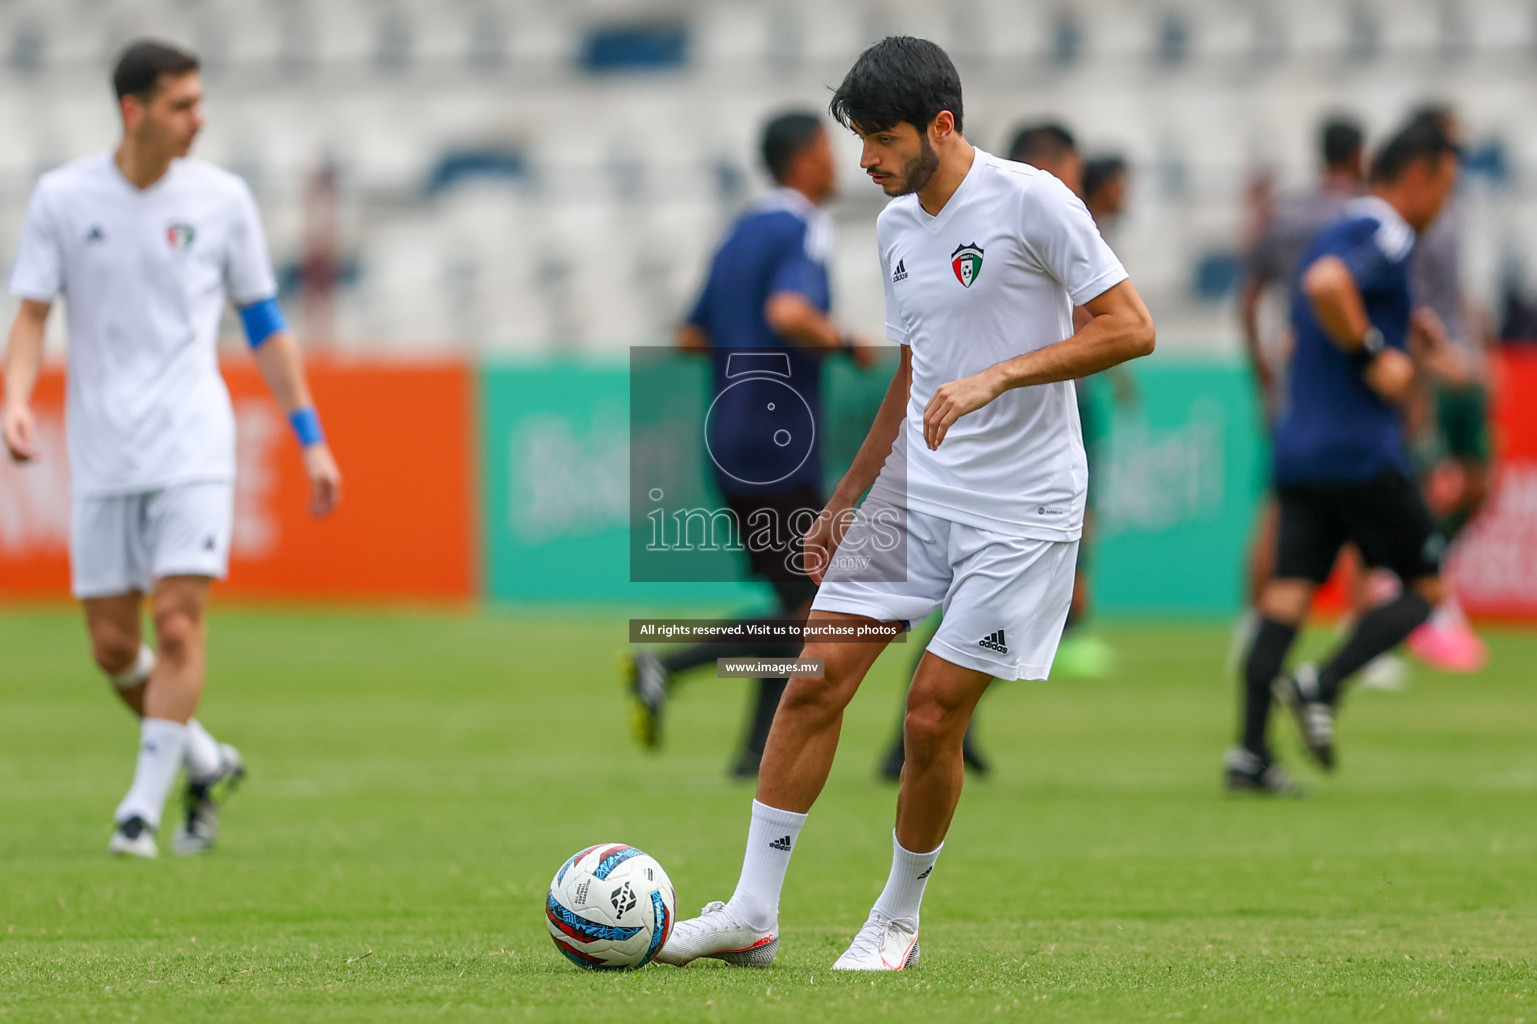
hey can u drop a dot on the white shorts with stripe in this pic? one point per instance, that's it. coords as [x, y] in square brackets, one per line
[123, 543]
[1004, 598]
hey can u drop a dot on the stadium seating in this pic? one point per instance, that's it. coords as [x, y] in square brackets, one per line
[599, 244]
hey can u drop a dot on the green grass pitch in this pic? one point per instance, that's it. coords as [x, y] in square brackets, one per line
[416, 780]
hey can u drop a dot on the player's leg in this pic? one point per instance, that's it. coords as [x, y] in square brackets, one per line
[804, 737]
[796, 761]
[896, 752]
[939, 710]
[795, 592]
[170, 697]
[109, 573]
[186, 532]
[1393, 528]
[214, 769]
[114, 626]
[1004, 618]
[178, 607]
[1260, 566]
[869, 581]
[1308, 537]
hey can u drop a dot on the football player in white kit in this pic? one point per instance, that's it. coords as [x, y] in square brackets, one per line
[975, 466]
[146, 246]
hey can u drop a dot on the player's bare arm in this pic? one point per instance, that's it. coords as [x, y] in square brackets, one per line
[1120, 329]
[822, 540]
[1433, 351]
[1248, 322]
[282, 367]
[797, 319]
[692, 338]
[1336, 301]
[23, 358]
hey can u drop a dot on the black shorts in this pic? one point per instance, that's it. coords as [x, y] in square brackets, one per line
[790, 519]
[1386, 518]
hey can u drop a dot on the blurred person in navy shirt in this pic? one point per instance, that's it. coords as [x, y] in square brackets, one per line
[1342, 471]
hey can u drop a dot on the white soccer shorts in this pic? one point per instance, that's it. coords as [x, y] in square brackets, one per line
[125, 542]
[1004, 598]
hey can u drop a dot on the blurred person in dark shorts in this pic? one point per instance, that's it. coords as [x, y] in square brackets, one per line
[1272, 266]
[1342, 470]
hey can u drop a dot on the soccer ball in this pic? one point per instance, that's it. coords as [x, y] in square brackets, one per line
[610, 908]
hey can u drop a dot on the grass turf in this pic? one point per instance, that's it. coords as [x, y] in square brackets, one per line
[417, 779]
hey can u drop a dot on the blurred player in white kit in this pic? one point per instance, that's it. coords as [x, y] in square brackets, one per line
[146, 246]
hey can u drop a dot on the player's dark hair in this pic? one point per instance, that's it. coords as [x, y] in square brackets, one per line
[1340, 140]
[1423, 138]
[785, 136]
[898, 79]
[1100, 170]
[142, 63]
[1045, 141]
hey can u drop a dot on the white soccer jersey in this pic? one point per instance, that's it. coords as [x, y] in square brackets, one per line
[145, 274]
[995, 275]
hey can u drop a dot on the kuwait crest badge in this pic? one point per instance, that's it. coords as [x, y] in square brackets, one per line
[180, 236]
[966, 261]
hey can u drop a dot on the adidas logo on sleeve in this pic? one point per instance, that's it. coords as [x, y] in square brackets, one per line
[994, 642]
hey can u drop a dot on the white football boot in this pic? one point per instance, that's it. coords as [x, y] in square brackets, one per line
[720, 934]
[134, 838]
[883, 944]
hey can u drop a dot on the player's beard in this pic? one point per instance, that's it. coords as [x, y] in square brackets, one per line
[917, 171]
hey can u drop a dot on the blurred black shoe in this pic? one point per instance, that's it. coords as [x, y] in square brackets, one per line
[647, 680]
[201, 802]
[1298, 693]
[746, 765]
[976, 763]
[1247, 772]
[891, 768]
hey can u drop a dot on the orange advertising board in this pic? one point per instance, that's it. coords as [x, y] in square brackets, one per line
[402, 433]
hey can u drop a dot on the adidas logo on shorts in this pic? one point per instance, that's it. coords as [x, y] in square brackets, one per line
[994, 642]
[782, 843]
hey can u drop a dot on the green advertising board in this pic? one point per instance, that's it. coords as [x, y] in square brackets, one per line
[556, 459]
[1175, 488]
[1176, 481]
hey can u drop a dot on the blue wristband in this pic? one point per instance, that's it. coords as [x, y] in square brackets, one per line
[262, 320]
[306, 424]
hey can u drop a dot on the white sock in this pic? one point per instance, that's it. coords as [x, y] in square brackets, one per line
[904, 886]
[162, 744]
[770, 839]
[202, 759]
[137, 674]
